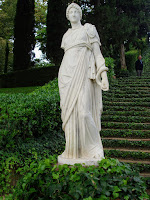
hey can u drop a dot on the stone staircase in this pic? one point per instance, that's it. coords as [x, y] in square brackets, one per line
[126, 122]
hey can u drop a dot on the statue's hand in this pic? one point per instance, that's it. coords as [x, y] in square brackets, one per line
[104, 83]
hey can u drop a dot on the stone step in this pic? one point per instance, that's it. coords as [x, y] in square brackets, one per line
[145, 175]
[124, 108]
[124, 133]
[126, 95]
[128, 100]
[124, 125]
[134, 80]
[134, 161]
[129, 103]
[128, 149]
[132, 88]
[126, 119]
[126, 113]
[128, 139]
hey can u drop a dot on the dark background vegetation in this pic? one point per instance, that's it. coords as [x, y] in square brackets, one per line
[122, 26]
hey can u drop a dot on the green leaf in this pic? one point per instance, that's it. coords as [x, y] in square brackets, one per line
[126, 197]
[55, 176]
[23, 185]
[115, 195]
[89, 198]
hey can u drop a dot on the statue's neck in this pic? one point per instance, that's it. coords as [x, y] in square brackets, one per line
[76, 25]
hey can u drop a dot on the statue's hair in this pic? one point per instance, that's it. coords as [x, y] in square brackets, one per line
[73, 5]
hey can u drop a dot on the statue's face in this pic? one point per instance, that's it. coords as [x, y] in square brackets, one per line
[74, 15]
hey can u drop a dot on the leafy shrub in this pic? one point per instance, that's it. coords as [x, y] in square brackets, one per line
[110, 64]
[141, 44]
[30, 129]
[110, 180]
[146, 60]
[131, 57]
[30, 77]
[30, 115]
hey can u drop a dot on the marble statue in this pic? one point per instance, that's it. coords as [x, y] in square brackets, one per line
[82, 77]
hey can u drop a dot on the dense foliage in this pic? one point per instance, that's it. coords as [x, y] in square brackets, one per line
[110, 180]
[146, 60]
[119, 24]
[131, 57]
[29, 132]
[37, 113]
[115, 21]
[29, 77]
[56, 27]
[24, 37]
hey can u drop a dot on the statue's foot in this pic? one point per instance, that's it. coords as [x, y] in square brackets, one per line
[83, 161]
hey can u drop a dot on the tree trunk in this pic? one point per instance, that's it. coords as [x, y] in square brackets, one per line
[6, 56]
[122, 57]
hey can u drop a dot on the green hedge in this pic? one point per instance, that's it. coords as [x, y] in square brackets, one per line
[31, 129]
[131, 57]
[31, 77]
[110, 180]
[30, 115]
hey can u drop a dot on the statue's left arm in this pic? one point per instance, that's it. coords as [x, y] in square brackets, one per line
[101, 68]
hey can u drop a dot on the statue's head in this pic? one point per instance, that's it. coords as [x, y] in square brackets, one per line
[74, 12]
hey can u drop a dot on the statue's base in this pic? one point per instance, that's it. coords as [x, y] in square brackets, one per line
[83, 161]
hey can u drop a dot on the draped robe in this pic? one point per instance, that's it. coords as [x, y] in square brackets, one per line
[80, 95]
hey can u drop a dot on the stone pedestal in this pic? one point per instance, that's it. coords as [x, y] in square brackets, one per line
[83, 161]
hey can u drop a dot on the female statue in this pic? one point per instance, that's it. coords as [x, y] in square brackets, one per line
[82, 76]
